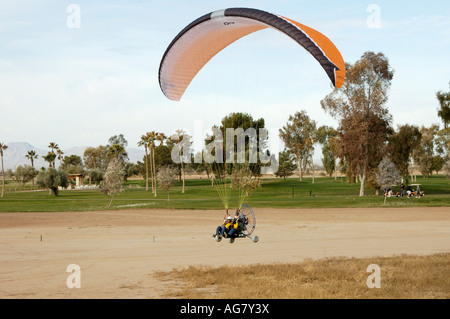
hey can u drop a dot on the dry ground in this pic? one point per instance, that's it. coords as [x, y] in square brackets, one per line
[120, 251]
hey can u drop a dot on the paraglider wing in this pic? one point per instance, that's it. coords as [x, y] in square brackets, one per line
[202, 39]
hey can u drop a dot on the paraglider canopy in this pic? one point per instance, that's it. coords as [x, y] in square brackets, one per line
[202, 39]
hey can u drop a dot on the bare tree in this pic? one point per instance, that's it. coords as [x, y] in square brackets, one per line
[157, 137]
[112, 179]
[387, 175]
[166, 179]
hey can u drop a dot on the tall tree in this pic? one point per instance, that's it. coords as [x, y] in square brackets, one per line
[425, 152]
[95, 157]
[53, 147]
[299, 137]
[240, 122]
[144, 141]
[325, 135]
[118, 152]
[60, 156]
[240, 148]
[442, 141]
[72, 164]
[50, 158]
[180, 136]
[3, 147]
[31, 155]
[401, 148]
[328, 160]
[151, 141]
[444, 111]
[334, 144]
[118, 139]
[360, 106]
[117, 145]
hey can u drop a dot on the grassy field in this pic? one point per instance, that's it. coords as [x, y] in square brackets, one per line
[402, 277]
[276, 193]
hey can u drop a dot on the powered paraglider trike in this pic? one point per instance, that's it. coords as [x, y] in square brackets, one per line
[246, 220]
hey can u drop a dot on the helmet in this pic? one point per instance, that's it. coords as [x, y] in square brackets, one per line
[229, 217]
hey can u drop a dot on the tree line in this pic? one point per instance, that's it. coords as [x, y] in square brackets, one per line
[365, 135]
[364, 138]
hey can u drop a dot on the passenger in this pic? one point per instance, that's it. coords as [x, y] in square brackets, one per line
[223, 229]
[233, 229]
[237, 227]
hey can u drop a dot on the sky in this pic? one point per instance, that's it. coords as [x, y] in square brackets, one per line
[78, 72]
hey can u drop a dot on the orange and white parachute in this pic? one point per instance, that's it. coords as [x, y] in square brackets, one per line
[202, 39]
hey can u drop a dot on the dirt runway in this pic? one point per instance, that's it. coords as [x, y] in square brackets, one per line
[119, 251]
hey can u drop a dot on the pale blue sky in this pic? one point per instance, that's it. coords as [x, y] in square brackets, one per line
[79, 86]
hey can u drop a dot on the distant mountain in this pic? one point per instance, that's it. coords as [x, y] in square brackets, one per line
[14, 155]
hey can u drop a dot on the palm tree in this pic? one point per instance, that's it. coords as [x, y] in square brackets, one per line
[60, 155]
[53, 146]
[50, 158]
[145, 142]
[3, 147]
[178, 137]
[92, 157]
[31, 155]
[151, 141]
[117, 150]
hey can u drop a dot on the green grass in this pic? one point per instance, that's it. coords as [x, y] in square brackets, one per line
[199, 194]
